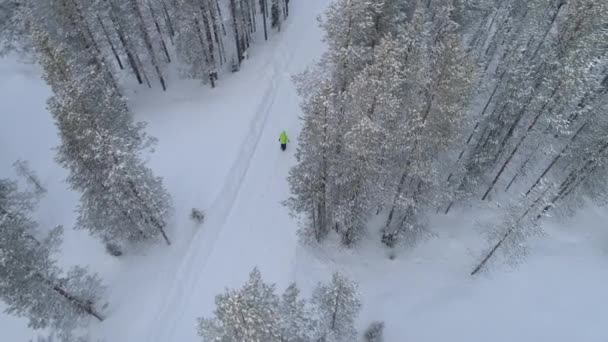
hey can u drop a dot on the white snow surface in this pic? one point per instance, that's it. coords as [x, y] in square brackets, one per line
[218, 151]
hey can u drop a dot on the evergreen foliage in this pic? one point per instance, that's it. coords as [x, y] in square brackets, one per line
[33, 285]
[255, 313]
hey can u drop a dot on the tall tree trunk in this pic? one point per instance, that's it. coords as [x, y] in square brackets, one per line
[160, 33]
[556, 159]
[216, 34]
[517, 146]
[148, 42]
[84, 306]
[237, 38]
[219, 13]
[143, 70]
[264, 10]
[210, 46]
[112, 47]
[123, 41]
[168, 22]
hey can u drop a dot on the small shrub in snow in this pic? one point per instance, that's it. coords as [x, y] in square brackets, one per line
[113, 249]
[375, 332]
[53, 337]
[198, 216]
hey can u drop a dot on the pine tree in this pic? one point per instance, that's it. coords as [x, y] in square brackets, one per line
[276, 14]
[310, 180]
[194, 25]
[338, 306]
[443, 73]
[296, 321]
[33, 286]
[121, 200]
[248, 314]
[255, 313]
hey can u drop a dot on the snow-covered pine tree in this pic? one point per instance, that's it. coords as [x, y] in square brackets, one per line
[13, 28]
[248, 314]
[338, 306]
[141, 33]
[195, 46]
[296, 321]
[345, 122]
[121, 199]
[65, 22]
[374, 125]
[443, 78]
[23, 170]
[32, 285]
[276, 14]
[562, 69]
[310, 180]
[352, 30]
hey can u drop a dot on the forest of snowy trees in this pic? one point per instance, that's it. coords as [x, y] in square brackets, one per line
[422, 105]
[142, 38]
[88, 49]
[256, 313]
[416, 108]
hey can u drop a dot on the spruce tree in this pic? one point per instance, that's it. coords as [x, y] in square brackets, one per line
[296, 321]
[248, 314]
[338, 306]
[121, 199]
[33, 285]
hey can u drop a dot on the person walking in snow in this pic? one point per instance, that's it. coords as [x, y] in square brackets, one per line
[283, 139]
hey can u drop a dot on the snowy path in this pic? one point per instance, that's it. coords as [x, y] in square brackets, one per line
[226, 249]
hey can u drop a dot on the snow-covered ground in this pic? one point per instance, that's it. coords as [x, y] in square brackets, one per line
[218, 151]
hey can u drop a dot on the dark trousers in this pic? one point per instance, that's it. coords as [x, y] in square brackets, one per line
[283, 147]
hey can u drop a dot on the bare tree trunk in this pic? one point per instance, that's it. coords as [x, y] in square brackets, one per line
[84, 306]
[243, 19]
[123, 41]
[218, 39]
[556, 159]
[253, 14]
[219, 13]
[264, 10]
[148, 42]
[237, 38]
[143, 70]
[521, 140]
[80, 25]
[168, 21]
[387, 236]
[492, 251]
[210, 46]
[160, 34]
[112, 47]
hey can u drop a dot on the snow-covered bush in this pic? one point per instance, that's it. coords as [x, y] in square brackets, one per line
[374, 332]
[113, 249]
[197, 215]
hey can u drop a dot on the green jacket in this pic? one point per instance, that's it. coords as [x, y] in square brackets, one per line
[283, 138]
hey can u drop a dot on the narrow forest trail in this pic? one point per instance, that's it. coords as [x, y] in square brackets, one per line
[247, 226]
